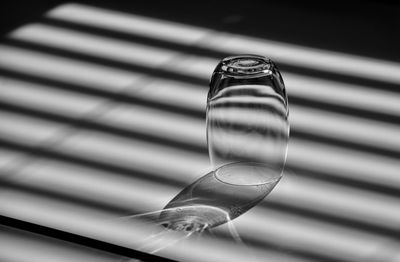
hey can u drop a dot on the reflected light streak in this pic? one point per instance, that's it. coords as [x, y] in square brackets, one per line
[330, 61]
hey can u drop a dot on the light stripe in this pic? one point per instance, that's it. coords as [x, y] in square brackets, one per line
[94, 45]
[64, 69]
[312, 88]
[346, 128]
[136, 154]
[157, 123]
[308, 234]
[27, 130]
[341, 94]
[125, 192]
[298, 86]
[177, 128]
[308, 155]
[47, 98]
[343, 127]
[7, 158]
[21, 246]
[129, 23]
[104, 187]
[316, 156]
[344, 162]
[337, 200]
[123, 116]
[267, 226]
[330, 61]
[196, 66]
[106, 227]
[307, 57]
[340, 126]
[70, 217]
[175, 93]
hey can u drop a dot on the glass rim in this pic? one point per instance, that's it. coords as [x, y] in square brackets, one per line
[247, 65]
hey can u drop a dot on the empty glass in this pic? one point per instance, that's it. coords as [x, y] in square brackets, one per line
[247, 117]
[247, 136]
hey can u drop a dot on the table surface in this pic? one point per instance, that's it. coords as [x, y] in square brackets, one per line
[103, 116]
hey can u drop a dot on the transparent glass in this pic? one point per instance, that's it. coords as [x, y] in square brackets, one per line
[247, 137]
[247, 116]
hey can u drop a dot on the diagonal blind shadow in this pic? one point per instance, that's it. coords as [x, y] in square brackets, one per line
[343, 185]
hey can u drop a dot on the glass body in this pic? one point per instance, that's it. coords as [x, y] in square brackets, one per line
[247, 114]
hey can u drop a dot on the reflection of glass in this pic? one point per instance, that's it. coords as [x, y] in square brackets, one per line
[247, 114]
[209, 201]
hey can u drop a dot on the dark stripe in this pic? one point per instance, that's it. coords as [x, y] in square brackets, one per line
[80, 56]
[162, 73]
[83, 123]
[87, 124]
[88, 90]
[198, 50]
[39, 152]
[332, 219]
[77, 239]
[7, 182]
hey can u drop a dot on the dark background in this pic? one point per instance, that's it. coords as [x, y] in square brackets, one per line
[368, 28]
